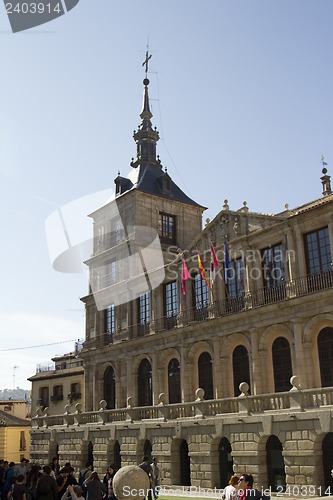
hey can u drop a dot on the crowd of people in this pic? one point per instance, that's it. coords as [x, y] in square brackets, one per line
[26, 481]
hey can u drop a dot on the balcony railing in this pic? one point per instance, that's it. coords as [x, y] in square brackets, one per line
[295, 400]
[298, 287]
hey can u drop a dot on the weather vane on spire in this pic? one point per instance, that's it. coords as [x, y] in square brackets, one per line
[322, 159]
[145, 62]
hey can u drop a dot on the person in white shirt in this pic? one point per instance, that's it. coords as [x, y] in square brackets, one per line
[230, 491]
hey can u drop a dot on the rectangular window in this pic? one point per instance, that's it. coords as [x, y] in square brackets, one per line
[235, 282]
[75, 387]
[57, 393]
[109, 319]
[23, 442]
[75, 391]
[171, 299]
[273, 270]
[144, 308]
[201, 292]
[318, 251]
[167, 228]
[116, 231]
[111, 275]
[43, 397]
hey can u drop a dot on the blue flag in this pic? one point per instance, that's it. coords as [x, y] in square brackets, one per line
[226, 263]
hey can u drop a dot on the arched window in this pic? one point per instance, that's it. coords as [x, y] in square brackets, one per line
[117, 455]
[325, 352]
[147, 449]
[327, 453]
[174, 381]
[185, 467]
[276, 474]
[110, 388]
[241, 367]
[90, 453]
[205, 371]
[145, 393]
[226, 463]
[282, 367]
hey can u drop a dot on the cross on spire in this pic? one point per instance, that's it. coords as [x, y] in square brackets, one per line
[145, 62]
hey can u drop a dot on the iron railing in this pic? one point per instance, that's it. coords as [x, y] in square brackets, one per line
[298, 287]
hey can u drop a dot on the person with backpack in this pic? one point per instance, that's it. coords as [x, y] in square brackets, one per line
[85, 473]
[94, 487]
[19, 489]
[46, 488]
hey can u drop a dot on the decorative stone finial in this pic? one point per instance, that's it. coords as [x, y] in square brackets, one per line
[199, 394]
[244, 388]
[225, 206]
[102, 405]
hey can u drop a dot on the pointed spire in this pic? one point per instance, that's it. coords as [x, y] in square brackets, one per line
[146, 137]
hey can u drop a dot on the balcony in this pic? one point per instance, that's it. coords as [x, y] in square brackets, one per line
[299, 287]
[291, 402]
[57, 397]
[45, 368]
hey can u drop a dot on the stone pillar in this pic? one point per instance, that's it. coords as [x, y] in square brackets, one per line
[117, 366]
[330, 235]
[88, 387]
[218, 369]
[301, 261]
[300, 457]
[301, 367]
[131, 390]
[290, 255]
[256, 368]
[154, 376]
[185, 376]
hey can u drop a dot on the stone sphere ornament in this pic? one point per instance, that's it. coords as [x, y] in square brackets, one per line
[131, 483]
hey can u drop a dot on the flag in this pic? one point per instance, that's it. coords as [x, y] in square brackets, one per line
[214, 263]
[185, 276]
[226, 263]
[203, 271]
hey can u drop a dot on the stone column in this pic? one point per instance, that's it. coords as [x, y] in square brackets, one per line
[301, 261]
[88, 387]
[301, 367]
[290, 255]
[256, 368]
[154, 376]
[218, 370]
[131, 389]
[185, 376]
[330, 235]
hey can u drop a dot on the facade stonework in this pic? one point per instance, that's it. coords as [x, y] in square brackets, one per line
[235, 374]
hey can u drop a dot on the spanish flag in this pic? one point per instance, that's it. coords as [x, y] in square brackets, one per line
[203, 271]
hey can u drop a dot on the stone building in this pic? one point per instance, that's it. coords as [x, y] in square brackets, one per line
[232, 371]
[58, 384]
[14, 436]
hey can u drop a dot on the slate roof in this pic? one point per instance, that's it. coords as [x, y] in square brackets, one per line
[149, 179]
[8, 420]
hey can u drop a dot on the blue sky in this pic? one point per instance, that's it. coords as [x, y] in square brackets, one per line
[241, 93]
